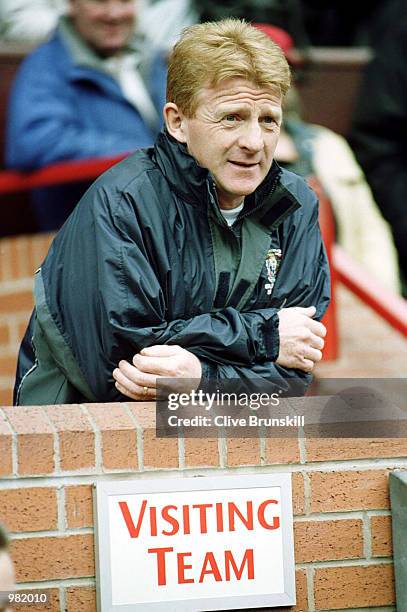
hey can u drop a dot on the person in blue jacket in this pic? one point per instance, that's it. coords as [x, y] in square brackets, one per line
[92, 90]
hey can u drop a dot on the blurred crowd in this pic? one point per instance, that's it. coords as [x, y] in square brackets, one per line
[94, 85]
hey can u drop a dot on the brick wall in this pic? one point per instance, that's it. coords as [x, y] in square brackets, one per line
[51, 456]
[19, 258]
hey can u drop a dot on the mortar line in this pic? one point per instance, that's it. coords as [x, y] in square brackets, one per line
[139, 436]
[51, 533]
[14, 444]
[55, 438]
[62, 600]
[302, 446]
[98, 439]
[307, 494]
[367, 537]
[223, 449]
[262, 446]
[338, 563]
[61, 507]
[181, 452]
[309, 573]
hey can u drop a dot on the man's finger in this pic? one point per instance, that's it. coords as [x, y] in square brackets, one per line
[310, 311]
[317, 342]
[317, 328]
[307, 365]
[137, 376]
[313, 354]
[142, 395]
[159, 366]
[161, 350]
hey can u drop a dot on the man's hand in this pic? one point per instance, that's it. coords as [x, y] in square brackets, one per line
[139, 381]
[301, 338]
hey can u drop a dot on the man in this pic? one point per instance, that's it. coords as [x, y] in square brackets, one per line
[379, 133]
[7, 577]
[89, 91]
[199, 258]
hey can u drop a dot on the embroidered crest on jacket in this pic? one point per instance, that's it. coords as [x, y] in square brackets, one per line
[273, 261]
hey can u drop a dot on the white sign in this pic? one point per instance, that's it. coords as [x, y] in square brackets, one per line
[195, 543]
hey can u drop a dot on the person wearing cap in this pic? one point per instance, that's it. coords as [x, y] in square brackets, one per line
[199, 258]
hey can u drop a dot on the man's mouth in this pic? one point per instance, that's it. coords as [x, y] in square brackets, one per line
[242, 164]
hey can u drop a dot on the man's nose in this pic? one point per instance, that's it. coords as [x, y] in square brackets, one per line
[115, 9]
[251, 137]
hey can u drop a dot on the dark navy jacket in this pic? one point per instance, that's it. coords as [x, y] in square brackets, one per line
[146, 258]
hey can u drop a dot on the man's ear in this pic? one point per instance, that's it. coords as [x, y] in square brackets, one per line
[175, 121]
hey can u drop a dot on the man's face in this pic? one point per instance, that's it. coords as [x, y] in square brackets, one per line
[106, 25]
[234, 134]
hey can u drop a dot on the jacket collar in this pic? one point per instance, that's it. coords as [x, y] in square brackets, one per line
[195, 184]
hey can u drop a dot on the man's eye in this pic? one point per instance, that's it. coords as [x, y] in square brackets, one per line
[269, 120]
[231, 118]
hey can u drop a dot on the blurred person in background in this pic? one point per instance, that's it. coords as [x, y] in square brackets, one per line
[7, 577]
[90, 91]
[32, 21]
[29, 20]
[315, 152]
[379, 135]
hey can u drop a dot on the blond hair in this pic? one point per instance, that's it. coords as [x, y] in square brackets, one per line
[208, 53]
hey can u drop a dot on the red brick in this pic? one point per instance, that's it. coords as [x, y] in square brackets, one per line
[22, 328]
[382, 545]
[40, 246]
[81, 599]
[157, 452]
[53, 604]
[76, 437]
[79, 506]
[354, 587]
[4, 334]
[201, 452]
[301, 592]
[8, 364]
[336, 449]
[341, 491]
[282, 450]
[29, 509]
[16, 302]
[119, 435]
[243, 451]
[144, 413]
[15, 258]
[35, 442]
[52, 558]
[6, 457]
[328, 540]
[298, 493]
[6, 395]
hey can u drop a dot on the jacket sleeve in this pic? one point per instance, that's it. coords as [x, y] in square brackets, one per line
[116, 305]
[43, 126]
[313, 289]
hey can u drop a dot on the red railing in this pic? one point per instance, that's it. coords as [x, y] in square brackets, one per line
[63, 172]
[386, 304]
[390, 307]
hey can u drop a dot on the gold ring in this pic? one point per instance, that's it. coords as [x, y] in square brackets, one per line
[145, 390]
